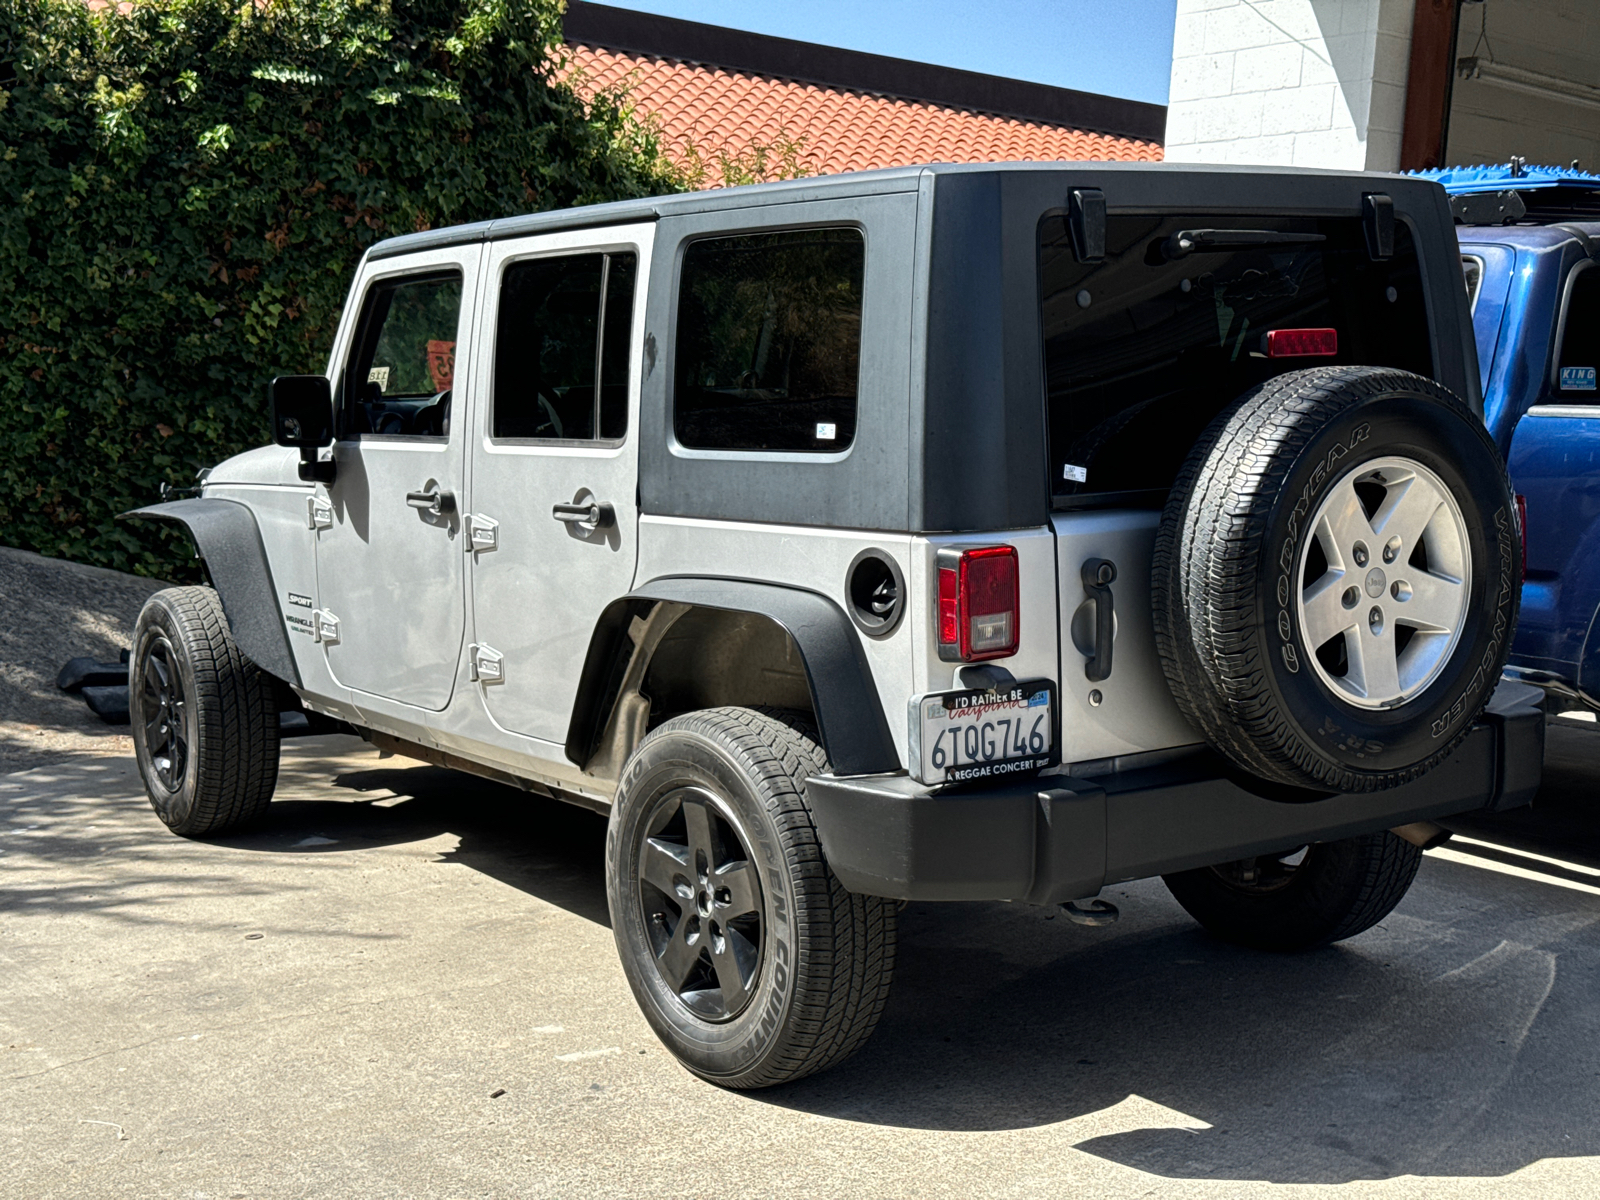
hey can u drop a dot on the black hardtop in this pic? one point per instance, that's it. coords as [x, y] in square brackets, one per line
[1194, 187]
[955, 401]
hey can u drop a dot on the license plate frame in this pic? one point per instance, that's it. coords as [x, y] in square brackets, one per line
[934, 715]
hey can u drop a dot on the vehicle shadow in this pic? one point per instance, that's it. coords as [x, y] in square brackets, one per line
[1459, 1038]
[543, 847]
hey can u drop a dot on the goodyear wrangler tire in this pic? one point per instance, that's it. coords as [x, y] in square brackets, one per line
[1335, 578]
[750, 961]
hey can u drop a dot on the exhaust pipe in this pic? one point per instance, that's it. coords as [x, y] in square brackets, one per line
[1424, 835]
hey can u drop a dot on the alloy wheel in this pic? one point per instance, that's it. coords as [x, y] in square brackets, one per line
[1385, 582]
[702, 903]
[165, 713]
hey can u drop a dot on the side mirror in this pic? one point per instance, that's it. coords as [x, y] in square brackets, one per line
[302, 417]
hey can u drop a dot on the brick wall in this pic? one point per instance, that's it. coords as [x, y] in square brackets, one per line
[1312, 83]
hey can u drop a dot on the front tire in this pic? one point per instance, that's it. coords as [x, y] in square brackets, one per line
[205, 718]
[1301, 899]
[750, 961]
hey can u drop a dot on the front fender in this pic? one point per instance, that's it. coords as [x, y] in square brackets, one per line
[844, 697]
[227, 538]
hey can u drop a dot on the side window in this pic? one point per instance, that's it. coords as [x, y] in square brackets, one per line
[561, 348]
[768, 347]
[402, 369]
[1580, 339]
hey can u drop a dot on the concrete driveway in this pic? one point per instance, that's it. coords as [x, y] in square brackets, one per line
[404, 984]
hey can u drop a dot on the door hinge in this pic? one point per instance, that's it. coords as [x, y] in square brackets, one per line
[319, 513]
[325, 626]
[483, 533]
[486, 664]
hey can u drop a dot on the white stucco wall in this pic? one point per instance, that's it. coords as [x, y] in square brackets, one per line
[1313, 83]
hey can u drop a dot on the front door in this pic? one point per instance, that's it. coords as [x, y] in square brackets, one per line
[390, 567]
[553, 515]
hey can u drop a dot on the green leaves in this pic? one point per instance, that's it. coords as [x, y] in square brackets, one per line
[185, 191]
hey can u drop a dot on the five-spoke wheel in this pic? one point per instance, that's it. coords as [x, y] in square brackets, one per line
[166, 714]
[701, 900]
[1386, 579]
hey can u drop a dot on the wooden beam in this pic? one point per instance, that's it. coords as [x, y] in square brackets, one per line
[1428, 85]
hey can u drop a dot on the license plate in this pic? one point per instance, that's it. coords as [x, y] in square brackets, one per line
[978, 734]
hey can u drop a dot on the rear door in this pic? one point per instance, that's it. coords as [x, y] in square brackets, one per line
[1142, 349]
[389, 559]
[552, 527]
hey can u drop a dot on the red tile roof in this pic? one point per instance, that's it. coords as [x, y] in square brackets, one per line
[728, 111]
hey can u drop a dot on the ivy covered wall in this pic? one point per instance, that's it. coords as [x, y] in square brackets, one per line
[185, 189]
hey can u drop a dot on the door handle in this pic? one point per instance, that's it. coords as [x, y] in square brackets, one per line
[594, 515]
[1098, 576]
[435, 503]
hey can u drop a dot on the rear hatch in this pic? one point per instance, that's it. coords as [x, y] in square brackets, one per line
[1141, 350]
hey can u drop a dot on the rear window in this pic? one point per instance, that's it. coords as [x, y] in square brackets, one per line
[769, 341]
[1143, 349]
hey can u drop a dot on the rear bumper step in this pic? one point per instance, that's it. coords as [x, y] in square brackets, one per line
[1058, 838]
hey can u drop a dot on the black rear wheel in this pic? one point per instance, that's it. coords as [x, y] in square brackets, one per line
[750, 961]
[1302, 897]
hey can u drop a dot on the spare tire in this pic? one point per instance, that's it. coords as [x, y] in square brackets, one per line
[1336, 579]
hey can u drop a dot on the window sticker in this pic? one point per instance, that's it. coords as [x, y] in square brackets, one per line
[1073, 473]
[442, 364]
[1577, 379]
[379, 376]
[827, 431]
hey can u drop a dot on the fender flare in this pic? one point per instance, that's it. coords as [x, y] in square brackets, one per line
[227, 538]
[844, 696]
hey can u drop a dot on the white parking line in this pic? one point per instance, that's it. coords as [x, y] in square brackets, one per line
[1472, 860]
[1554, 862]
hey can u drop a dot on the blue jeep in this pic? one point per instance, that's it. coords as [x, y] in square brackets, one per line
[1530, 249]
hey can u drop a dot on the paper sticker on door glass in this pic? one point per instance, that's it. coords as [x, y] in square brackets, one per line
[1073, 473]
[379, 376]
[1577, 379]
[442, 364]
[827, 431]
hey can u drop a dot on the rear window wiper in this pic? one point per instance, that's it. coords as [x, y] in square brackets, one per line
[1204, 241]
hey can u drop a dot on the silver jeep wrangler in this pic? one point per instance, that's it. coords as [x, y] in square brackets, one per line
[952, 533]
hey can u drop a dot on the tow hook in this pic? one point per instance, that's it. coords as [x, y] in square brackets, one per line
[1424, 835]
[1092, 911]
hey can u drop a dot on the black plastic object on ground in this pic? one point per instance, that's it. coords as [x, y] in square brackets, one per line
[110, 704]
[82, 672]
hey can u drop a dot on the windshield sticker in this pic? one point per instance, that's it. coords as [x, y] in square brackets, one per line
[1577, 379]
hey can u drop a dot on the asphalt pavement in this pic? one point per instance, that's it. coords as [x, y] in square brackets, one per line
[403, 983]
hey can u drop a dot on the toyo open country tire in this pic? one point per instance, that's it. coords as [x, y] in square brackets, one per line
[205, 718]
[1303, 631]
[750, 961]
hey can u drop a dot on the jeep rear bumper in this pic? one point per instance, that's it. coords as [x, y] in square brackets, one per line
[1059, 837]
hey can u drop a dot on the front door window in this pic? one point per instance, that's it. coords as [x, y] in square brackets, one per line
[402, 372]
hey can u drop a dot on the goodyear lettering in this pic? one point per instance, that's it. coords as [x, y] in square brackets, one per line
[1321, 474]
[1502, 620]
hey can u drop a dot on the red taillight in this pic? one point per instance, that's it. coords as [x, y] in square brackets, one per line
[1301, 343]
[1522, 531]
[978, 611]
